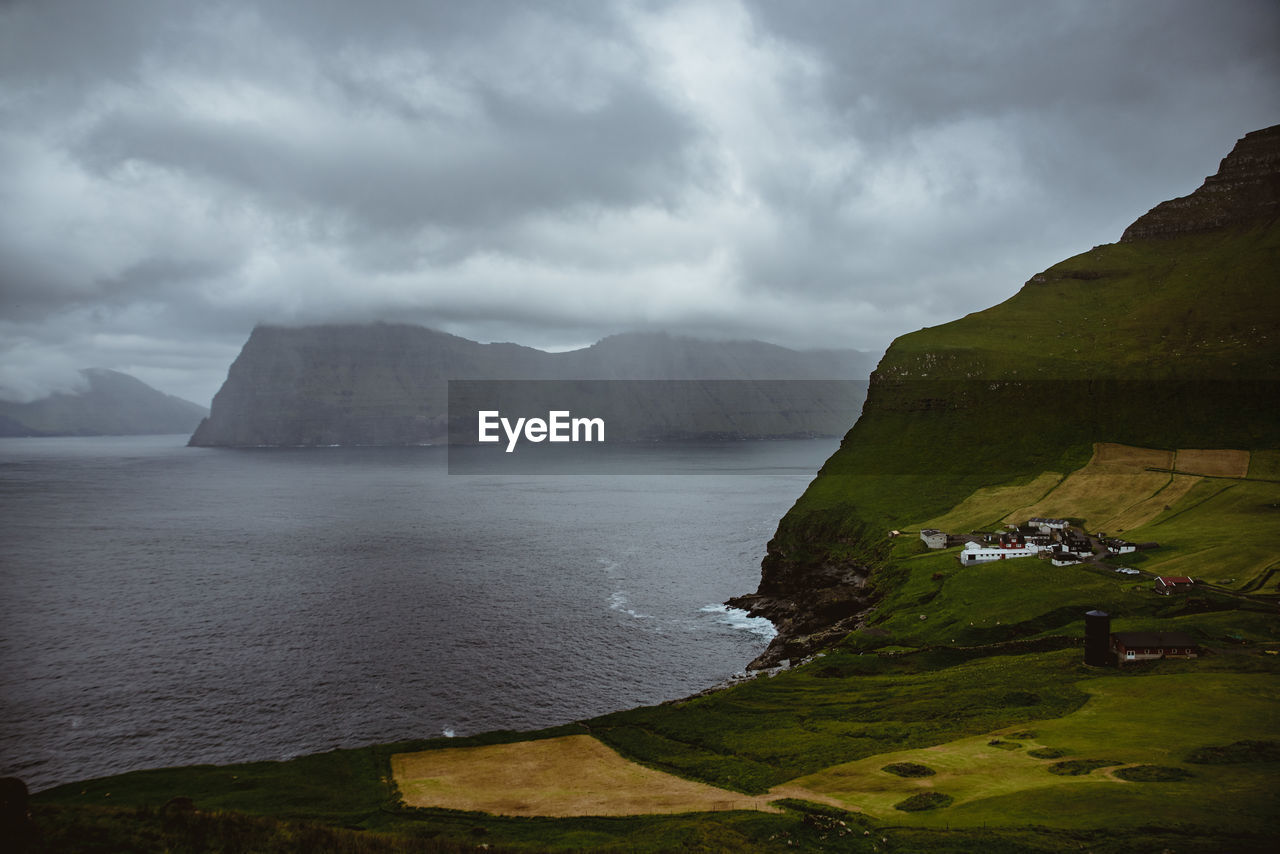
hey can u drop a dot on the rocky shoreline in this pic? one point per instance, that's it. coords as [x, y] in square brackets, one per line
[811, 613]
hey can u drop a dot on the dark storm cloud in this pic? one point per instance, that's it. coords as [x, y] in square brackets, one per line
[398, 173]
[811, 173]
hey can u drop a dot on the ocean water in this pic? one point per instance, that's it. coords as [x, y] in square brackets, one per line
[164, 605]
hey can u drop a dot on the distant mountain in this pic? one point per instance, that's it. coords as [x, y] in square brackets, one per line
[387, 384]
[1167, 340]
[114, 404]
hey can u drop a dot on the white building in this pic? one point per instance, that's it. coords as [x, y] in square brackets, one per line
[933, 538]
[977, 553]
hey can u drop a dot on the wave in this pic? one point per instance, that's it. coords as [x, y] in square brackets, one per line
[618, 602]
[736, 618]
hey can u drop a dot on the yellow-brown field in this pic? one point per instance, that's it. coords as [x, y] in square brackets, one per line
[1117, 491]
[1143, 512]
[987, 507]
[573, 775]
[1219, 463]
[1110, 454]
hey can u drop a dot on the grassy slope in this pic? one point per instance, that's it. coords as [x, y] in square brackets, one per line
[1117, 344]
[1180, 713]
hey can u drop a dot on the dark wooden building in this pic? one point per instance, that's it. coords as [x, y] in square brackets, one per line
[1149, 646]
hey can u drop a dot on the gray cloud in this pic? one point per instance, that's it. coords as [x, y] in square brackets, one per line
[814, 173]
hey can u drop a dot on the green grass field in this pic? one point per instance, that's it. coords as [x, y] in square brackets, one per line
[1222, 531]
[1155, 720]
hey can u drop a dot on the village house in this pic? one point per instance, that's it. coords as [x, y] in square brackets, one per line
[1168, 584]
[1047, 526]
[1077, 545]
[1149, 646]
[1120, 547]
[1063, 559]
[933, 538]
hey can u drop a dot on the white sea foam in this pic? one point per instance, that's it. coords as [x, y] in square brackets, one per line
[736, 618]
[447, 732]
[618, 602]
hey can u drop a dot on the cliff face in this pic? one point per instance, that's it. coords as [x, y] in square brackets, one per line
[1245, 189]
[1166, 339]
[112, 404]
[386, 384]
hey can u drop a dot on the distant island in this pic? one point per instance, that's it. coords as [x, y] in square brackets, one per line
[111, 404]
[387, 384]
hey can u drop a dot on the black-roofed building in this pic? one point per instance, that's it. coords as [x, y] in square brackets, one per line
[1120, 547]
[1149, 646]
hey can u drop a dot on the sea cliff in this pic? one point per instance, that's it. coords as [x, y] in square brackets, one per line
[387, 384]
[1166, 339]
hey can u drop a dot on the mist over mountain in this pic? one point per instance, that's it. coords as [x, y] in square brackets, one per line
[387, 384]
[112, 404]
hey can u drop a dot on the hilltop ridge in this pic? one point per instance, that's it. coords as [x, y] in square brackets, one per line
[1246, 188]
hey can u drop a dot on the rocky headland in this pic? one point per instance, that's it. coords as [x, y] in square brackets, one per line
[387, 384]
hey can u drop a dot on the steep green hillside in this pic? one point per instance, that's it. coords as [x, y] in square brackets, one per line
[1166, 340]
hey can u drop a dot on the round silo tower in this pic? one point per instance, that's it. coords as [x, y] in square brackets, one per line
[1097, 638]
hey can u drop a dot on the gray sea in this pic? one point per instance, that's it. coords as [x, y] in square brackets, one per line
[163, 605]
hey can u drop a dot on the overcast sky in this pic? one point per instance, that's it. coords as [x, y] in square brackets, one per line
[807, 173]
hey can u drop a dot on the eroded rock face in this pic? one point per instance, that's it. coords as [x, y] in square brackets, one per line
[812, 603]
[1246, 188]
[807, 620]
